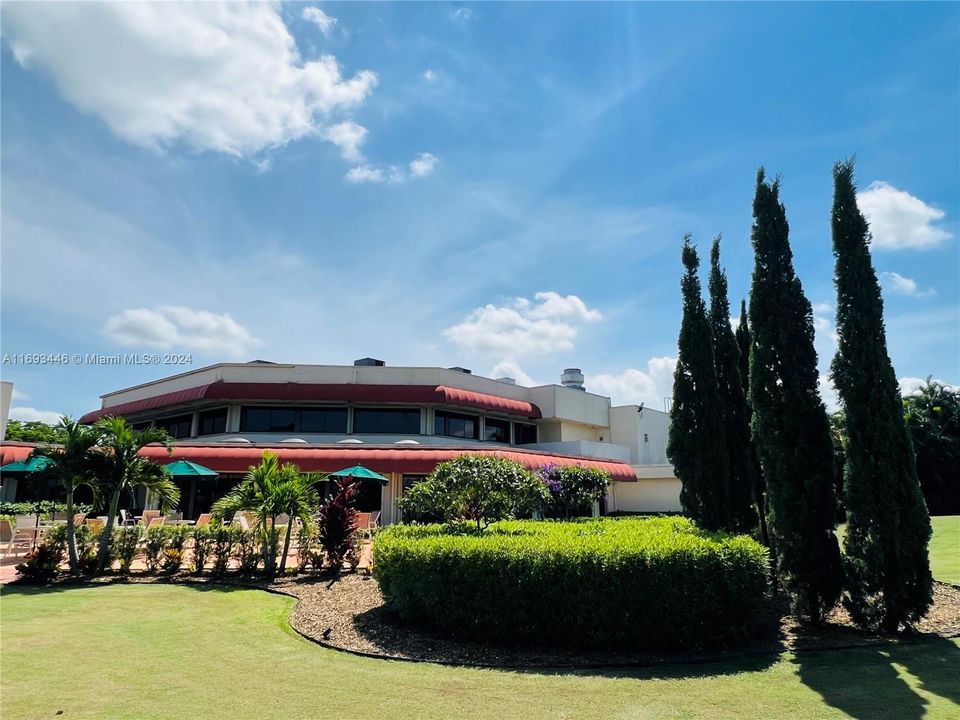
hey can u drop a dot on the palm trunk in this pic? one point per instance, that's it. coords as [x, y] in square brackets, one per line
[71, 534]
[286, 547]
[103, 555]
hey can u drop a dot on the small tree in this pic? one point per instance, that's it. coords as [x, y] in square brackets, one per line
[790, 429]
[476, 488]
[696, 444]
[337, 523]
[736, 415]
[574, 488]
[888, 569]
[933, 419]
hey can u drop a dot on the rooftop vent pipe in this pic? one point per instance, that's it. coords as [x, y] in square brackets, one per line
[368, 362]
[572, 378]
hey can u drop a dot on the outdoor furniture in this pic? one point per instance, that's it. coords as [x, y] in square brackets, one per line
[374, 523]
[363, 522]
[95, 523]
[156, 520]
[204, 519]
[148, 515]
[126, 519]
[78, 518]
[59, 517]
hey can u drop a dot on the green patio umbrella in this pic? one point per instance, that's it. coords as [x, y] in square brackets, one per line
[33, 464]
[359, 472]
[185, 468]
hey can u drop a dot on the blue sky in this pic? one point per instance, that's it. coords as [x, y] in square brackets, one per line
[499, 186]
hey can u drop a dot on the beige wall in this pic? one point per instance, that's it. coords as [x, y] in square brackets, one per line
[645, 495]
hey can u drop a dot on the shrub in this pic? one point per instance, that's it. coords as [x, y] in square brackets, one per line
[176, 537]
[41, 564]
[656, 583]
[337, 524]
[306, 540]
[153, 546]
[126, 545]
[573, 488]
[478, 488]
[246, 549]
[87, 541]
[222, 546]
[202, 543]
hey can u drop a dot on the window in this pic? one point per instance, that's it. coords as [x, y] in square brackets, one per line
[388, 421]
[212, 422]
[455, 425]
[646, 438]
[178, 427]
[524, 433]
[496, 430]
[323, 420]
[267, 419]
[141, 426]
[408, 481]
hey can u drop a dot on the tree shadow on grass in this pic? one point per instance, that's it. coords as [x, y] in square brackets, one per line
[864, 683]
[26, 589]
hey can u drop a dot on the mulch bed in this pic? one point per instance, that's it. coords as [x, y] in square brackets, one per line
[348, 614]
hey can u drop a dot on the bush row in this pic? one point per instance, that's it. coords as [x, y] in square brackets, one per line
[657, 583]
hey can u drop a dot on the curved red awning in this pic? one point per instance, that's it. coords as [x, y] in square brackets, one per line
[325, 392]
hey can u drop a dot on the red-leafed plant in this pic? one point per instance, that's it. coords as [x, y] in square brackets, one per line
[337, 523]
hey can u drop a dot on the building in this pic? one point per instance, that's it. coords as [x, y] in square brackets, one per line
[398, 421]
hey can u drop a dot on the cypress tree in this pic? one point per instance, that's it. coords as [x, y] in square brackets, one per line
[888, 528]
[744, 343]
[790, 428]
[735, 415]
[695, 443]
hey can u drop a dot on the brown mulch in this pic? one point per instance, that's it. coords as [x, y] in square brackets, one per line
[348, 614]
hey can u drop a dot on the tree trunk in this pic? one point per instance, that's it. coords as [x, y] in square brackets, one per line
[103, 555]
[71, 534]
[286, 547]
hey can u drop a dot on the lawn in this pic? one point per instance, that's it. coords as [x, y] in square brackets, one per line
[170, 651]
[945, 548]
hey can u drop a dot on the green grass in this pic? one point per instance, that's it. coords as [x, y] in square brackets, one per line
[945, 548]
[161, 651]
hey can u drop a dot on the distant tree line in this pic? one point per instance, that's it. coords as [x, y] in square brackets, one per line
[752, 443]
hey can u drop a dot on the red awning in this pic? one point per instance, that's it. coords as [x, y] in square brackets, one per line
[14, 453]
[411, 460]
[327, 392]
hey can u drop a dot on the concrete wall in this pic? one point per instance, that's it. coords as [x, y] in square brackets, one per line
[6, 395]
[646, 495]
[643, 431]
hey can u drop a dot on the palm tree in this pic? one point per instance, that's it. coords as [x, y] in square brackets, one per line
[125, 469]
[270, 489]
[77, 462]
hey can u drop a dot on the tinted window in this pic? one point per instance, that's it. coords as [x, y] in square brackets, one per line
[213, 422]
[323, 420]
[456, 425]
[496, 430]
[178, 427]
[256, 419]
[524, 433]
[397, 422]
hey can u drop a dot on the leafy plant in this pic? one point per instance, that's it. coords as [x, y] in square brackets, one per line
[337, 523]
[574, 488]
[202, 544]
[221, 548]
[153, 546]
[126, 545]
[306, 542]
[476, 488]
[41, 564]
[246, 549]
[176, 537]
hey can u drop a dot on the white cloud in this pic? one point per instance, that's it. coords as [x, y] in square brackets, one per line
[904, 286]
[347, 136]
[549, 324]
[508, 368]
[429, 75]
[912, 385]
[461, 13]
[828, 393]
[29, 414]
[423, 164]
[365, 174]
[898, 220]
[319, 18]
[175, 327]
[225, 77]
[19, 395]
[632, 386]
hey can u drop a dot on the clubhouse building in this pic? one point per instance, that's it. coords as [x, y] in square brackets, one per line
[398, 421]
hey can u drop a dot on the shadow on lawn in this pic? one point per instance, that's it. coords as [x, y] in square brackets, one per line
[18, 588]
[865, 683]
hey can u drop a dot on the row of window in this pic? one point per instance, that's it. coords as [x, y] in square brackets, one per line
[366, 421]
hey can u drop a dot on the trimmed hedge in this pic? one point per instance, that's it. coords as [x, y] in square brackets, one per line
[656, 583]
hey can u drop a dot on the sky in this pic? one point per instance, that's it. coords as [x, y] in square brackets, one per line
[503, 187]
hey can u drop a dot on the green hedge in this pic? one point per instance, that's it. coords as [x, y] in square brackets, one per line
[654, 583]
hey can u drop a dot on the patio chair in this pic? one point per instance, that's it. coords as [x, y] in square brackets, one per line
[149, 515]
[95, 524]
[204, 519]
[374, 523]
[126, 519]
[59, 517]
[78, 518]
[363, 523]
[22, 539]
[156, 520]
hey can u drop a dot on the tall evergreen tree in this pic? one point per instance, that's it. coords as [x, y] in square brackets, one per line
[744, 343]
[736, 419]
[695, 445]
[790, 428]
[888, 570]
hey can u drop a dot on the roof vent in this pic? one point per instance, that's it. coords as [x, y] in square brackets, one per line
[406, 442]
[457, 368]
[237, 440]
[294, 440]
[368, 362]
[350, 441]
[507, 380]
[572, 378]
